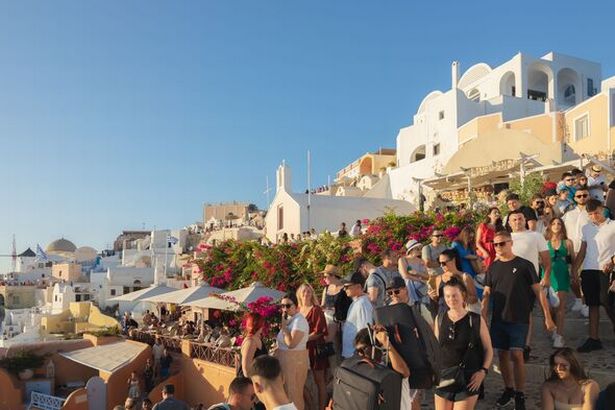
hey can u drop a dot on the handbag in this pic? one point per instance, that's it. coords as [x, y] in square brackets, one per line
[325, 350]
[453, 378]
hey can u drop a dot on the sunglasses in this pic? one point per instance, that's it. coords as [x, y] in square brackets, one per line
[499, 244]
[392, 292]
[286, 305]
[443, 263]
[438, 235]
[451, 332]
[581, 196]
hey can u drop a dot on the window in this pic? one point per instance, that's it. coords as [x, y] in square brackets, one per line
[77, 298]
[16, 300]
[60, 273]
[125, 290]
[441, 115]
[86, 297]
[112, 292]
[436, 149]
[280, 218]
[591, 91]
[55, 298]
[581, 127]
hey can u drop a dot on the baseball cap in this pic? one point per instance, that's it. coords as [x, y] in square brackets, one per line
[354, 279]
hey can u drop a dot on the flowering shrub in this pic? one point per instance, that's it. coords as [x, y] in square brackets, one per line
[232, 264]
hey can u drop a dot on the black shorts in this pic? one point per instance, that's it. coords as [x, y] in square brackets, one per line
[595, 287]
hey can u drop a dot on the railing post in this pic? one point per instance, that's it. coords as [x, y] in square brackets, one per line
[185, 347]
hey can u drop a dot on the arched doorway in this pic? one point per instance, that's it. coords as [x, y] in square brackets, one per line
[507, 84]
[418, 154]
[568, 88]
[539, 78]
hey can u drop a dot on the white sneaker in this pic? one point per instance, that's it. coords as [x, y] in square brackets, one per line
[578, 305]
[585, 311]
[558, 341]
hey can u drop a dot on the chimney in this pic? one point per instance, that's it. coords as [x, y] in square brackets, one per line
[454, 74]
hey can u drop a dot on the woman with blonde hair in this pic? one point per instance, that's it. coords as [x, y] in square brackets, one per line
[315, 316]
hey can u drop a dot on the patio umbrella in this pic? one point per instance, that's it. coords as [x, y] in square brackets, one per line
[141, 294]
[244, 296]
[184, 296]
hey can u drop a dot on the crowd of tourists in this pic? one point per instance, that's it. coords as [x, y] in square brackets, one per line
[426, 324]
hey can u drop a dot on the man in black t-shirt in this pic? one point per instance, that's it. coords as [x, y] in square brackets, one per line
[513, 285]
[514, 203]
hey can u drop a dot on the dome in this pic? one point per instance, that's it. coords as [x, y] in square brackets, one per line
[85, 253]
[61, 245]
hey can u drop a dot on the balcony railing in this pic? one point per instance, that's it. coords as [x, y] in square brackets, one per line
[210, 353]
[45, 401]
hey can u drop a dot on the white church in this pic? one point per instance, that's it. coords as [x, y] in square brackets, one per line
[294, 213]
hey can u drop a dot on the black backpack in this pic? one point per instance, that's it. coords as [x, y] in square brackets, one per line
[342, 304]
[361, 384]
[415, 341]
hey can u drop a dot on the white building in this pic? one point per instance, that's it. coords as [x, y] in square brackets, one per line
[521, 87]
[289, 212]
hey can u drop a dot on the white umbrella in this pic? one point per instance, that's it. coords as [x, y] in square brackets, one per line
[141, 294]
[244, 296]
[184, 296]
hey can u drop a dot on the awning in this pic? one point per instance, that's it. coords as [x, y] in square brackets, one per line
[107, 357]
[141, 294]
[183, 296]
[232, 300]
[501, 146]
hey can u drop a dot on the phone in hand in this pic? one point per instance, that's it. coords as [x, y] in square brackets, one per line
[285, 316]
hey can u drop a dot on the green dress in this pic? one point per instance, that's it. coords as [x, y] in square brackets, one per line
[560, 272]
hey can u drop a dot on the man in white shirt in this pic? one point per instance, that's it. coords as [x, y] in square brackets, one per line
[532, 246]
[574, 220]
[266, 375]
[360, 312]
[595, 260]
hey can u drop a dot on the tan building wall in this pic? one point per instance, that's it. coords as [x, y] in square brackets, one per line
[597, 140]
[368, 164]
[69, 272]
[540, 126]
[77, 400]
[478, 126]
[18, 297]
[116, 381]
[10, 393]
[220, 211]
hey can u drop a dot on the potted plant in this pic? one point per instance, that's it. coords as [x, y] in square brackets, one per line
[23, 364]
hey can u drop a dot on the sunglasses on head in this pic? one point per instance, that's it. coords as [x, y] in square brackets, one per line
[498, 244]
[581, 196]
[392, 292]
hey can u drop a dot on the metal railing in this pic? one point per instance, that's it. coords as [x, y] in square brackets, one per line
[224, 356]
[45, 402]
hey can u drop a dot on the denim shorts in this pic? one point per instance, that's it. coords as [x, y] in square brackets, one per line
[508, 336]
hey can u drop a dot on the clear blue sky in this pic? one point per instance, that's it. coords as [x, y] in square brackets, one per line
[119, 113]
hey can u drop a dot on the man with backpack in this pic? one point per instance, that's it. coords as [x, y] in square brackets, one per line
[412, 336]
[364, 381]
[377, 277]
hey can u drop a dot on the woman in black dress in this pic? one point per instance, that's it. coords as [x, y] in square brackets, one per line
[464, 338]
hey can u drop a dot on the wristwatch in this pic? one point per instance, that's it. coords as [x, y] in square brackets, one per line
[484, 369]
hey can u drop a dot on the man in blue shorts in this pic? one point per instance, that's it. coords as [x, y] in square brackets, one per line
[512, 284]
